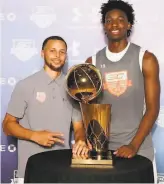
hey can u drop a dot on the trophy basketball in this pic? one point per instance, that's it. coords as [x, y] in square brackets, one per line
[84, 83]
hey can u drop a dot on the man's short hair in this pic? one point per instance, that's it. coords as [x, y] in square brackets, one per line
[53, 38]
[120, 5]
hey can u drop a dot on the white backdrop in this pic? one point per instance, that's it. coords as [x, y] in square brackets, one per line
[25, 24]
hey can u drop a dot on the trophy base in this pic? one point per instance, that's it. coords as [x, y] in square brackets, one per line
[95, 160]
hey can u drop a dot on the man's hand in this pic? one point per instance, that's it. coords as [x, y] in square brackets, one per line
[89, 145]
[80, 150]
[126, 151]
[47, 138]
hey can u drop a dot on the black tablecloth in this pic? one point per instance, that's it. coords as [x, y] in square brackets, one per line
[54, 167]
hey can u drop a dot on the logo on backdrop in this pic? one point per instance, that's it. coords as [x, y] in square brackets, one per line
[10, 17]
[89, 20]
[160, 119]
[94, 16]
[43, 16]
[160, 179]
[11, 81]
[74, 49]
[23, 49]
[77, 15]
[11, 148]
[16, 179]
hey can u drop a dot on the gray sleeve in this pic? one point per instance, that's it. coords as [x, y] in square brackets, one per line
[17, 103]
[76, 113]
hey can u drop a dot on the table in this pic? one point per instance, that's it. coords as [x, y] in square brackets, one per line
[54, 167]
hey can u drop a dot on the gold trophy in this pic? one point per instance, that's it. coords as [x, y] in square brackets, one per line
[84, 84]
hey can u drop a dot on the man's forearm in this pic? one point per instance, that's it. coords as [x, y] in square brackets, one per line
[16, 130]
[80, 135]
[145, 127]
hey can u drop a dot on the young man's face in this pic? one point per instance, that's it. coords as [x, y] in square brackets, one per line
[54, 54]
[116, 25]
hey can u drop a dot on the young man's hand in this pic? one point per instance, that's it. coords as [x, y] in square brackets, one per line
[126, 151]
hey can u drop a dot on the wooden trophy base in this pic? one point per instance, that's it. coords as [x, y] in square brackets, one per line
[97, 161]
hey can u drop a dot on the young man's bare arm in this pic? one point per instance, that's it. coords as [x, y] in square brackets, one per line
[152, 98]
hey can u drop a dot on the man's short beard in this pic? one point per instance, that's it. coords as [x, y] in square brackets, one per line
[56, 69]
